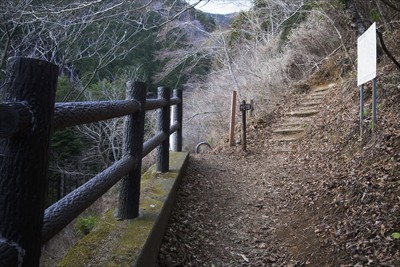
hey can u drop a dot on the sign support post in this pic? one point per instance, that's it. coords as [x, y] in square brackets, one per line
[361, 108]
[366, 70]
[374, 108]
[244, 108]
[244, 141]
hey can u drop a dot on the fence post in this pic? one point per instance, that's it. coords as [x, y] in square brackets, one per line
[173, 136]
[163, 120]
[133, 145]
[24, 163]
[178, 116]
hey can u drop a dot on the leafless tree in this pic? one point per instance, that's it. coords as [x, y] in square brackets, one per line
[106, 136]
[67, 32]
[385, 12]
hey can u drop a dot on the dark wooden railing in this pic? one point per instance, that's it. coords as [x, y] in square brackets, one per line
[28, 117]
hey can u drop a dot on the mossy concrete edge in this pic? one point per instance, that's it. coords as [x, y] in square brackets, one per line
[178, 164]
[133, 242]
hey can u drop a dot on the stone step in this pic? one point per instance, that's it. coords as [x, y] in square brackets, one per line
[293, 127]
[288, 131]
[313, 99]
[309, 104]
[290, 124]
[323, 91]
[279, 137]
[294, 122]
[323, 88]
[302, 113]
[298, 120]
[317, 94]
[284, 139]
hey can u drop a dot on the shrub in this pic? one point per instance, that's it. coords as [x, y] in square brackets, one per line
[84, 225]
[262, 70]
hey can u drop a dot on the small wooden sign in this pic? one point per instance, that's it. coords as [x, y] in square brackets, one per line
[244, 107]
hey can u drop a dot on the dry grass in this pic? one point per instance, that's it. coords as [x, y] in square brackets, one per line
[263, 71]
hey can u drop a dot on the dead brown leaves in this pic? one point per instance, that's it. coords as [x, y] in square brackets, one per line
[359, 180]
[333, 201]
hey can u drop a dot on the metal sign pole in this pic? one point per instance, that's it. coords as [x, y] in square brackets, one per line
[374, 105]
[361, 109]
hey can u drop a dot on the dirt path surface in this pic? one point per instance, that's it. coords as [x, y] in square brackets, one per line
[230, 215]
[261, 207]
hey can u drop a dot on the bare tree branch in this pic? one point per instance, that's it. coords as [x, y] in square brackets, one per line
[388, 53]
[65, 33]
[391, 5]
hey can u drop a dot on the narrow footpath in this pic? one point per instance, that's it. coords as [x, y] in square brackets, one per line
[240, 208]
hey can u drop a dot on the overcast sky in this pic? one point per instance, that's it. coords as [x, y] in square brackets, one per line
[222, 6]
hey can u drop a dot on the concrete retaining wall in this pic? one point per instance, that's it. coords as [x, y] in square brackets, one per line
[133, 242]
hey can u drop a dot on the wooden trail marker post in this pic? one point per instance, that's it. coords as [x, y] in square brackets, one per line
[243, 108]
[366, 70]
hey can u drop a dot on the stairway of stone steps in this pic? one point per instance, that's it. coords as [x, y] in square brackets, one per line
[296, 121]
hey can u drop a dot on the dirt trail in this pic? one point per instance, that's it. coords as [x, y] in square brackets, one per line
[247, 208]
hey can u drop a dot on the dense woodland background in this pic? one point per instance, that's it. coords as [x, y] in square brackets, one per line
[265, 54]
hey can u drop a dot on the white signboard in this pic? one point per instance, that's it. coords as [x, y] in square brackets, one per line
[366, 50]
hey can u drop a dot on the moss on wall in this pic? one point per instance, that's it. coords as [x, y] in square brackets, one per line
[119, 243]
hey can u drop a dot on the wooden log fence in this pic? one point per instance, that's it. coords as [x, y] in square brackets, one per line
[27, 119]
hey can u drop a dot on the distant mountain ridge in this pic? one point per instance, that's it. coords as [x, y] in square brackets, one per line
[223, 20]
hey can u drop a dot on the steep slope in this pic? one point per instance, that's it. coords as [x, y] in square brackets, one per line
[357, 192]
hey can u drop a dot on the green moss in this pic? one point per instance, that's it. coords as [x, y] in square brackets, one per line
[131, 242]
[175, 161]
[119, 243]
[82, 252]
[84, 225]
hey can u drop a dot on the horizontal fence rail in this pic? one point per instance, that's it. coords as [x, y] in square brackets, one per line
[29, 115]
[152, 104]
[61, 213]
[77, 113]
[16, 118]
